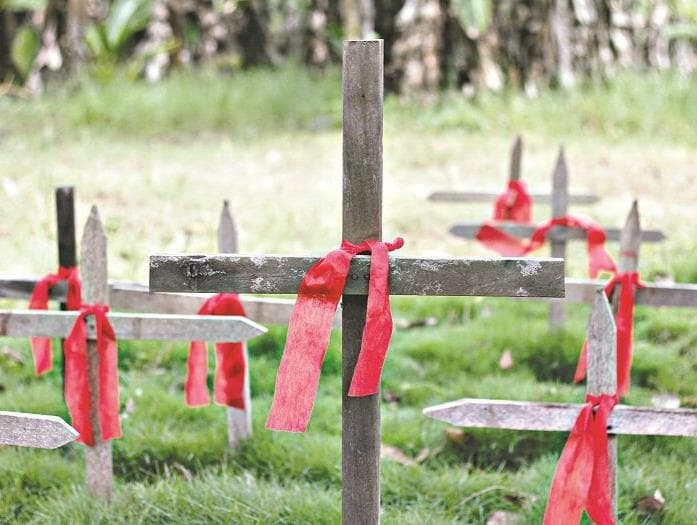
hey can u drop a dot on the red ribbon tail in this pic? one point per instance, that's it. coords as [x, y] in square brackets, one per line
[378, 326]
[599, 504]
[41, 346]
[309, 329]
[77, 388]
[196, 384]
[109, 420]
[625, 327]
[230, 374]
[501, 242]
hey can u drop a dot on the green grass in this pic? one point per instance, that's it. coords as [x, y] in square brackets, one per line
[158, 159]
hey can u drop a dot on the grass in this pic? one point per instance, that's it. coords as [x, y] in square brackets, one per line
[157, 160]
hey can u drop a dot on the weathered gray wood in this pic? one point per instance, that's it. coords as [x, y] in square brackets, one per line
[133, 326]
[362, 219]
[469, 231]
[602, 369]
[34, 430]
[560, 417]
[651, 294]
[630, 241]
[95, 290]
[67, 246]
[277, 274]
[516, 158]
[490, 196]
[239, 422]
[560, 206]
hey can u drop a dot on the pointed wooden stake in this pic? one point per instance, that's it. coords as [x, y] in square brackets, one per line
[602, 369]
[630, 241]
[95, 290]
[239, 422]
[560, 206]
[34, 430]
[516, 158]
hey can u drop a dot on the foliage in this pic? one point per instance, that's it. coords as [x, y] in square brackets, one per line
[474, 15]
[24, 49]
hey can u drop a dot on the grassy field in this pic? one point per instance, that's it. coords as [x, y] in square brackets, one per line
[157, 160]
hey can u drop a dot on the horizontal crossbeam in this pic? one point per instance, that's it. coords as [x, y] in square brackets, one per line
[34, 430]
[522, 415]
[558, 233]
[43, 323]
[679, 295]
[490, 196]
[281, 275]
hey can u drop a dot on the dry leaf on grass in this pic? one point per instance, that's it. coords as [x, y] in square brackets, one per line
[506, 360]
[455, 436]
[651, 504]
[394, 454]
[502, 517]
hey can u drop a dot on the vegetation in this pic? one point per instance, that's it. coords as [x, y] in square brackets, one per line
[157, 160]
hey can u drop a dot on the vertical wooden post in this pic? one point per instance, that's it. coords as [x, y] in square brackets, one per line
[362, 219]
[516, 156]
[65, 233]
[602, 369]
[95, 290]
[239, 422]
[560, 205]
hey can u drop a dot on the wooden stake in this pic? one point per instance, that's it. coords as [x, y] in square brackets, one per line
[516, 157]
[560, 205]
[95, 290]
[239, 422]
[67, 246]
[602, 369]
[362, 219]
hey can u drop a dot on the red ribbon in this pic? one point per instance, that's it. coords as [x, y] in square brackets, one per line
[41, 346]
[582, 476]
[310, 326]
[77, 384]
[514, 204]
[509, 246]
[229, 358]
[624, 319]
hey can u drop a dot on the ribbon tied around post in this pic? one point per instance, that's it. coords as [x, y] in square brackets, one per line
[41, 346]
[78, 394]
[629, 282]
[230, 367]
[310, 326]
[582, 476]
[509, 246]
[514, 204]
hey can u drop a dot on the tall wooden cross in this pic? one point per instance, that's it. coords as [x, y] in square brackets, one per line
[362, 219]
[558, 417]
[133, 326]
[34, 430]
[513, 174]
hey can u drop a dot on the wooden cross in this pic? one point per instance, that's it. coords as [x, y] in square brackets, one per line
[514, 174]
[34, 430]
[99, 472]
[602, 378]
[362, 219]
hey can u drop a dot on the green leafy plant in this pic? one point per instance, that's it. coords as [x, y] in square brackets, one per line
[474, 15]
[25, 47]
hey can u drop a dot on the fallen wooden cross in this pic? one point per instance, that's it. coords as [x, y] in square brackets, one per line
[514, 174]
[126, 326]
[362, 219]
[602, 379]
[34, 430]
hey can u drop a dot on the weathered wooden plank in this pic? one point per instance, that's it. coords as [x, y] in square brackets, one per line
[652, 294]
[516, 159]
[483, 276]
[362, 219]
[95, 290]
[133, 326]
[560, 206]
[22, 288]
[490, 196]
[34, 430]
[469, 231]
[559, 417]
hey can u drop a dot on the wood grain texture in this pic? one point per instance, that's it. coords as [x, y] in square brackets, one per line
[559, 417]
[485, 276]
[133, 326]
[514, 169]
[489, 196]
[630, 241]
[469, 231]
[95, 290]
[227, 231]
[560, 206]
[34, 430]
[361, 220]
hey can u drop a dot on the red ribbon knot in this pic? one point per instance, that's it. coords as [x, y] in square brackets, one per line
[77, 383]
[514, 204]
[310, 327]
[629, 282]
[582, 475]
[230, 363]
[41, 346]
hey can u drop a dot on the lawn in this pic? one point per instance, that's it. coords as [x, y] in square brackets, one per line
[157, 160]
